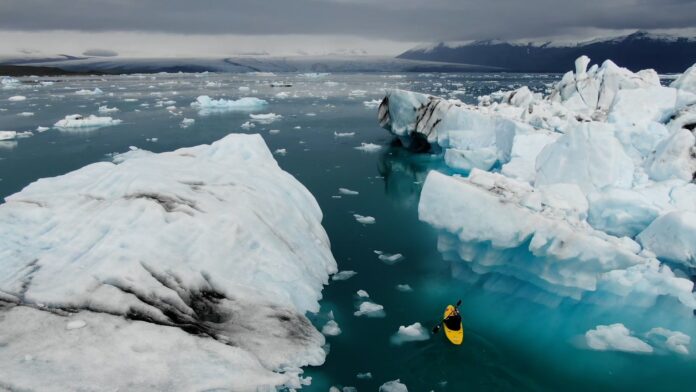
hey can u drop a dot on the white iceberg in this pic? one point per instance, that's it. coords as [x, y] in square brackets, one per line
[106, 109]
[331, 328]
[369, 147]
[370, 309]
[365, 220]
[96, 91]
[343, 275]
[17, 98]
[207, 105]
[412, 333]
[92, 121]
[348, 192]
[265, 118]
[162, 251]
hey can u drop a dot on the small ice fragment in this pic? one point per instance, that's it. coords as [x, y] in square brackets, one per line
[96, 91]
[369, 147]
[243, 88]
[675, 341]
[42, 129]
[372, 103]
[344, 275]
[187, 122]
[393, 386]
[297, 127]
[365, 220]
[404, 288]
[413, 333]
[346, 191]
[344, 134]
[17, 98]
[75, 324]
[282, 95]
[364, 376]
[370, 309]
[265, 118]
[331, 328]
[274, 131]
[280, 151]
[106, 109]
[77, 121]
[248, 125]
[363, 294]
[390, 259]
[25, 114]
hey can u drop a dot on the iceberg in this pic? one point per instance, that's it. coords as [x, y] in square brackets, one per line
[412, 333]
[91, 122]
[207, 105]
[586, 191]
[220, 258]
[615, 337]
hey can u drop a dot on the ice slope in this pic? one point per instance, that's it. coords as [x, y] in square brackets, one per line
[624, 141]
[211, 250]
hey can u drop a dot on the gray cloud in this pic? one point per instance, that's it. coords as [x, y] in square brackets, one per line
[402, 20]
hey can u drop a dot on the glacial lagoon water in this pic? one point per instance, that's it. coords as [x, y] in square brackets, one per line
[516, 337]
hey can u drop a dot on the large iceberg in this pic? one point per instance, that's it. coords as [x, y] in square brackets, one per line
[587, 192]
[117, 268]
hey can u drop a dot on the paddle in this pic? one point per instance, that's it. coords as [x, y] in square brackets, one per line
[436, 328]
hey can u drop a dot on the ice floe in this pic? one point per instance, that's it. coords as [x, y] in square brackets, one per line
[349, 192]
[369, 147]
[331, 328]
[17, 98]
[92, 121]
[162, 251]
[412, 333]
[106, 109]
[365, 220]
[344, 275]
[207, 105]
[370, 309]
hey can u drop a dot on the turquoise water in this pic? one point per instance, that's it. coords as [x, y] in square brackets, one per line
[516, 337]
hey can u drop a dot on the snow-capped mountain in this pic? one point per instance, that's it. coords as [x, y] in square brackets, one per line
[640, 50]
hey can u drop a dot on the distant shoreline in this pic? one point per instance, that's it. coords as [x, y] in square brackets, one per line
[30, 70]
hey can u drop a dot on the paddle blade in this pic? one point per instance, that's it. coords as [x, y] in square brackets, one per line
[459, 302]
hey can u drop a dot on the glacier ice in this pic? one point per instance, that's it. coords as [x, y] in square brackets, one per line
[393, 386]
[585, 191]
[17, 98]
[219, 258]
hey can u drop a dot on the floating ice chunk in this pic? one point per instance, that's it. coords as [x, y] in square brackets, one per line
[243, 88]
[25, 114]
[17, 98]
[344, 134]
[331, 328]
[393, 386]
[672, 237]
[364, 376]
[525, 149]
[357, 93]
[187, 122]
[282, 95]
[96, 91]
[412, 333]
[615, 337]
[78, 121]
[265, 118]
[75, 324]
[389, 259]
[42, 129]
[405, 288]
[8, 135]
[372, 104]
[346, 191]
[365, 220]
[676, 341]
[248, 125]
[153, 235]
[274, 131]
[362, 294]
[370, 309]
[369, 147]
[344, 275]
[280, 151]
[106, 109]
[206, 105]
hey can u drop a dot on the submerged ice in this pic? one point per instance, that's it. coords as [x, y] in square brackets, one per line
[211, 250]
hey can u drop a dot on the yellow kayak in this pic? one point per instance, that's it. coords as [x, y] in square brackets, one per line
[454, 332]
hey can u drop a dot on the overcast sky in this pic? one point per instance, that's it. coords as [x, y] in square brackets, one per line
[188, 27]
